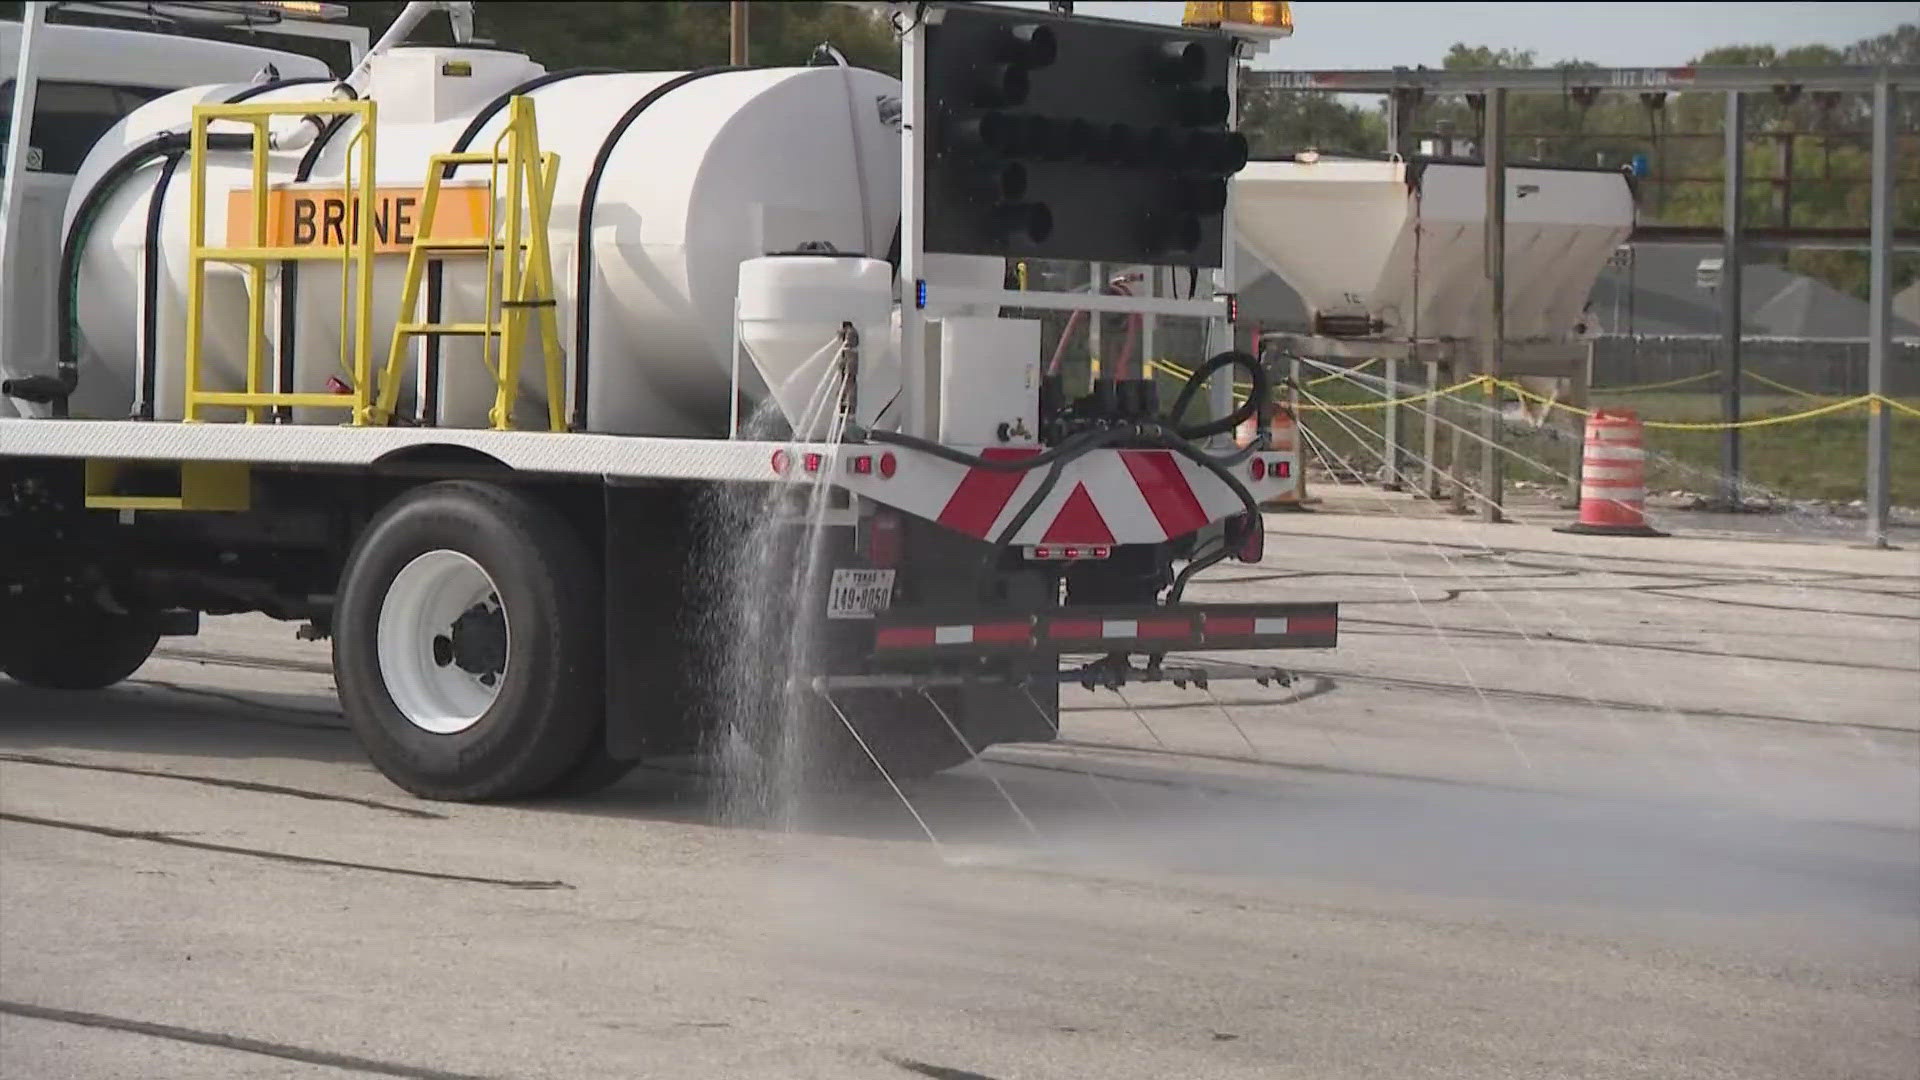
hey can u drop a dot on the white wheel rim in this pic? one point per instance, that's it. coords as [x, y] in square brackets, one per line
[444, 642]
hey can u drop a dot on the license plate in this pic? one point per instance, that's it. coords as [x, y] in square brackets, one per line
[858, 594]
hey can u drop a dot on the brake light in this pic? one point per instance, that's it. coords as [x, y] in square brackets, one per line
[781, 461]
[861, 465]
[886, 539]
[811, 461]
[887, 465]
[1257, 468]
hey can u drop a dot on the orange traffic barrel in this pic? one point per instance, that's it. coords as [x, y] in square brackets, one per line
[1613, 477]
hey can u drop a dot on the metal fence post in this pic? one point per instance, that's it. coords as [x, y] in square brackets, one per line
[1730, 297]
[1390, 427]
[1492, 454]
[1430, 432]
[1880, 318]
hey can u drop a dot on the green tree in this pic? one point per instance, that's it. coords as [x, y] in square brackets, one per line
[1283, 122]
[664, 36]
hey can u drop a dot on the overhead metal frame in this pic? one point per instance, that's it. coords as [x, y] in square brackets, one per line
[1404, 87]
[1561, 80]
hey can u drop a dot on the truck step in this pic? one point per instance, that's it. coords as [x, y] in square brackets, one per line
[224, 486]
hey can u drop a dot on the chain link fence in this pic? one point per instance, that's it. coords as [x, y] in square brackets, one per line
[1828, 367]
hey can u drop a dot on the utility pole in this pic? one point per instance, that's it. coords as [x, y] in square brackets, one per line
[737, 33]
[1730, 299]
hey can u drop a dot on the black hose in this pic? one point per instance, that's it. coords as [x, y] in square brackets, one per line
[1193, 568]
[1080, 446]
[56, 389]
[149, 359]
[1256, 402]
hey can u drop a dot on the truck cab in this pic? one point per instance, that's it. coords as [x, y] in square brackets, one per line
[89, 78]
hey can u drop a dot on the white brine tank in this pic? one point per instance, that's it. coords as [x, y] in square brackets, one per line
[714, 168]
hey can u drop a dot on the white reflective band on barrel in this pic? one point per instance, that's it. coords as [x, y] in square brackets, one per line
[1615, 453]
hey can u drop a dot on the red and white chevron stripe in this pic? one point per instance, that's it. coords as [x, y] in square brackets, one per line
[1106, 497]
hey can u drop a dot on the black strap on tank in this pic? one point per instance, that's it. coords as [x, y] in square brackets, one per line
[430, 387]
[583, 260]
[150, 291]
[148, 359]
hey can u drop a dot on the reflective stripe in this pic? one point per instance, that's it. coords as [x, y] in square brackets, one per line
[952, 635]
[1602, 452]
[1229, 626]
[1120, 628]
[1271, 626]
[1002, 633]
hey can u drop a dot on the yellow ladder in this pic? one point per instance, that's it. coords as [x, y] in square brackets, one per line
[519, 271]
[259, 230]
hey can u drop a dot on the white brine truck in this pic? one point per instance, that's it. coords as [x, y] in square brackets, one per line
[450, 360]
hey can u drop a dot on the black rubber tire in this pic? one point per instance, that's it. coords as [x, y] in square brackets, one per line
[550, 702]
[75, 648]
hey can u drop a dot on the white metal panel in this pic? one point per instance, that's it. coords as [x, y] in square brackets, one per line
[134, 58]
[990, 381]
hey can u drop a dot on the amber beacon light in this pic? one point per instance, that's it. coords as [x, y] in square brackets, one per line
[1257, 19]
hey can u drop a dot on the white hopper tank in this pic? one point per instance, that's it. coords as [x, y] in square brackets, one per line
[718, 167]
[1402, 246]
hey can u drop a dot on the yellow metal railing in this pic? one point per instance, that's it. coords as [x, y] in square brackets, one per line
[356, 254]
[519, 270]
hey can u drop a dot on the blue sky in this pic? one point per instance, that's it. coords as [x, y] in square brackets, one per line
[1381, 35]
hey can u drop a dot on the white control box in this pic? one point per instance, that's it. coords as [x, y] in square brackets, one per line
[989, 381]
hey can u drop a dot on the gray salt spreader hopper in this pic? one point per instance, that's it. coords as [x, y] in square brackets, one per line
[1389, 258]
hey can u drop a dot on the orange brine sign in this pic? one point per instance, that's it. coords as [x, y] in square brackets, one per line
[323, 216]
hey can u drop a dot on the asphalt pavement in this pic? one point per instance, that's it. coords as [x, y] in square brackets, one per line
[1556, 807]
